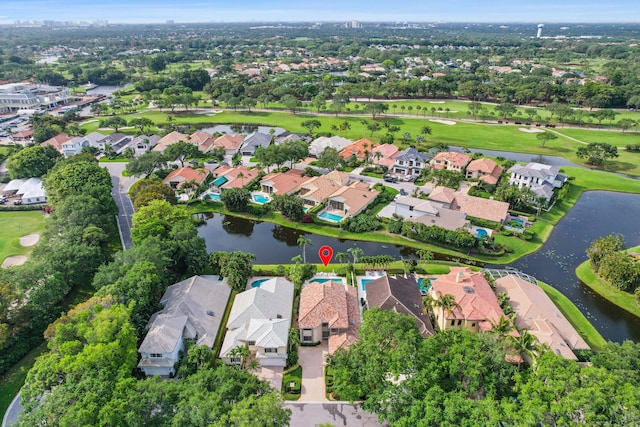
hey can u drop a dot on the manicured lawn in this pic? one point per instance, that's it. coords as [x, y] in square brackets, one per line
[292, 375]
[575, 317]
[15, 225]
[624, 300]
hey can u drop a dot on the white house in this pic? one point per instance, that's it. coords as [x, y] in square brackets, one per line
[541, 178]
[193, 309]
[29, 190]
[74, 146]
[260, 320]
[318, 145]
[410, 162]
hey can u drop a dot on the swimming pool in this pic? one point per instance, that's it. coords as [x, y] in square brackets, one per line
[364, 283]
[330, 217]
[516, 223]
[424, 284]
[335, 279]
[482, 233]
[257, 283]
[213, 196]
[259, 198]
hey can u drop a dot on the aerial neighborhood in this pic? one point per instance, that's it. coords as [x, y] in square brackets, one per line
[318, 224]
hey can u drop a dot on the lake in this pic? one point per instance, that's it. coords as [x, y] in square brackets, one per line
[596, 214]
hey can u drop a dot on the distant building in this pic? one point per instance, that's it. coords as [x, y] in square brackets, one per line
[29, 96]
[540, 178]
[410, 162]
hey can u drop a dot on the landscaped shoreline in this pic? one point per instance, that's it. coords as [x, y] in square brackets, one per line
[623, 300]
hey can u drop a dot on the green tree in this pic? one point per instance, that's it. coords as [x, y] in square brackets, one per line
[289, 205]
[545, 137]
[141, 123]
[329, 159]
[146, 163]
[115, 123]
[311, 125]
[597, 153]
[147, 189]
[304, 241]
[234, 266]
[180, 151]
[236, 199]
[32, 161]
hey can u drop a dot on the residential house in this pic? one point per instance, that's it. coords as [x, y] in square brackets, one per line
[287, 137]
[141, 144]
[28, 190]
[484, 169]
[260, 319]
[283, 182]
[192, 309]
[450, 160]
[182, 175]
[117, 141]
[540, 178]
[22, 137]
[167, 140]
[318, 145]
[491, 210]
[410, 162]
[477, 305]
[329, 311]
[200, 137]
[100, 141]
[428, 213]
[536, 313]
[388, 152]
[253, 141]
[74, 146]
[361, 149]
[400, 294]
[319, 188]
[353, 199]
[57, 141]
[230, 142]
[229, 177]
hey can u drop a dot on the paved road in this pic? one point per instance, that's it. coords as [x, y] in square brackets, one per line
[11, 416]
[120, 187]
[310, 414]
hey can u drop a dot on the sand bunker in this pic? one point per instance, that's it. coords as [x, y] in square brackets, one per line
[531, 130]
[444, 122]
[13, 261]
[436, 102]
[29, 239]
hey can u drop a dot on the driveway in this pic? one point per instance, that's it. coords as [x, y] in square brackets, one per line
[312, 361]
[334, 413]
[273, 374]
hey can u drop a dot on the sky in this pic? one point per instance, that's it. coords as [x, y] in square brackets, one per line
[494, 11]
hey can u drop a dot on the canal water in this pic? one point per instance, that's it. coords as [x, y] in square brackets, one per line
[596, 214]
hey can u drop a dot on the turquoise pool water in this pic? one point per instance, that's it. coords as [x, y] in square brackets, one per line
[335, 279]
[213, 196]
[259, 198]
[482, 233]
[364, 283]
[424, 284]
[257, 283]
[517, 223]
[330, 217]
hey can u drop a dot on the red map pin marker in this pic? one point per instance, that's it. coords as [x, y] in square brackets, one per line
[325, 253]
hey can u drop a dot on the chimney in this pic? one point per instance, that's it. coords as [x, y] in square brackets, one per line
[459, 277]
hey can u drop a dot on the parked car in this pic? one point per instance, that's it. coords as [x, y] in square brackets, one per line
[389, 178]
[17, 202]
[403, 192]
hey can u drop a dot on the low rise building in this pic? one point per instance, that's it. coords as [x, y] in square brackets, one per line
[29, 96]
[491, 210]
[319, 188]
[168, 139]
[540, 178]
[484, 169]
[282, 183]
[450, 160]
[253, 141]
[318, 145]
[410, 162]
[353, 199]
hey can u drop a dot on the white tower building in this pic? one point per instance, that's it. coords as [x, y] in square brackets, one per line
[540, 27]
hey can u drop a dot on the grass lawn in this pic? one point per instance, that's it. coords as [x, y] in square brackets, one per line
[575, 317]
[624, 300]
[293, 374]
[15, 225]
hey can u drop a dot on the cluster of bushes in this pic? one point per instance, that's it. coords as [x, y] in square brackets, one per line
[485, 223]
[609, 260]
[361, 223]
[459, 239]
[634, 148]
[292, 382]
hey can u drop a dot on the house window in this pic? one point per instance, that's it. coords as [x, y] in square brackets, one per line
[251, 342]
[307, 335]
[453, 323]
[473, 324]
[325, 324]
[410, 208]
[459, 322]
[270, 349]
[155, 355]
[235, 360]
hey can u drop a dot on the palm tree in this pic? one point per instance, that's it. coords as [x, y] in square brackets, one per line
[425, 256]
[378, 156]
[426, 130]
[526, 345]
[241, 352]
[355, 252]
[341, 257]
[304, 241]
[502, 327]
[448, 303]
[241, 176]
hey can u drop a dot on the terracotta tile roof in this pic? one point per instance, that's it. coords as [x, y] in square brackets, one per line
[324, 303]
[285, 182]
[233, 181]
[537, 313]
[169, 139]
[486, 169]
[229, 141]
[446, 159]
[207, 144]
[186, 174]
[472, 292]
[479, 207]
[198, 138]
[357, 149]
[24, 134]
[319, 188]
[442, 194]
[221, 170]
[355, 197]
[57, 141]
[387, 150]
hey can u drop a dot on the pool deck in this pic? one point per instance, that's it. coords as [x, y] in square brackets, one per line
[253, 279]
[331, 212]
[369, 275]
[260, 194]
